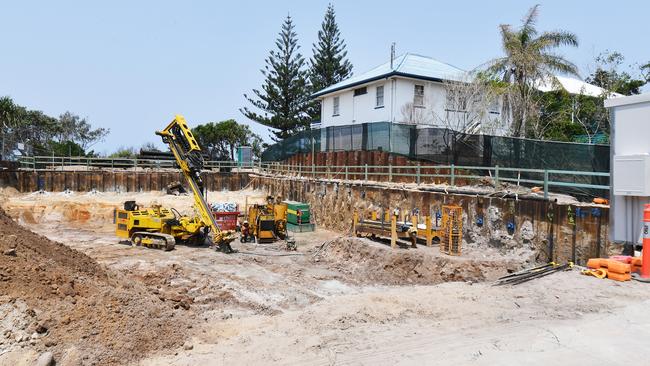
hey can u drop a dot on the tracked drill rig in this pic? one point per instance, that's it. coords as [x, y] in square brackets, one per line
[187, 153]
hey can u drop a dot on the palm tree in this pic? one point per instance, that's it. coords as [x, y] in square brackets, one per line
[529, 60]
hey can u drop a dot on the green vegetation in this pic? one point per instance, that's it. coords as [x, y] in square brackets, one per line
[36, 133]
[221, 139]
[609, 76]
[284, 97]
[124, 152]
[328, 64]
[529, 59]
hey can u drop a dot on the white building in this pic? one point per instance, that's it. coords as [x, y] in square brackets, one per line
[420, 90]
[630, 170]
[412, 89]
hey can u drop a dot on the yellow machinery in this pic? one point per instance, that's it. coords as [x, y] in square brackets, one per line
[389, 225]
[157, 227]
[161, 227]
[267, 222]
[186, 150]
[452, 229]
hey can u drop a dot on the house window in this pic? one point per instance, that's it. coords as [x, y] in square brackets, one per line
[379, 97]
[418, 96]
[335, 109]
[360, 91]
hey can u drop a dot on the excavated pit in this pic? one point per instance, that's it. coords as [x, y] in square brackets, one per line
[116, 295]
[365, 261]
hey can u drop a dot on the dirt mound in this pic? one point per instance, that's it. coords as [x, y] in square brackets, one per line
[57, 299]
[368, 262]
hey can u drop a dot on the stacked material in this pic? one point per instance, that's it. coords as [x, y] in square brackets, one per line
[533, 273]
[224, 207]
[617, 268]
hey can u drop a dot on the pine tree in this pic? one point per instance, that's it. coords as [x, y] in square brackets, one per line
[329, 65]
[284, 98]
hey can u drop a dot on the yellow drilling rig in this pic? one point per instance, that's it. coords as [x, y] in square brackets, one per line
[161, 227]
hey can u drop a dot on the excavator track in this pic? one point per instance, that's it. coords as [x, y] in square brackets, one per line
[147, 239]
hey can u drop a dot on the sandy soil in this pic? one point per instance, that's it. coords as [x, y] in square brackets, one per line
[339, 300]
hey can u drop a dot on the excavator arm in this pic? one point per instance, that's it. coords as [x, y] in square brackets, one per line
[187, 152]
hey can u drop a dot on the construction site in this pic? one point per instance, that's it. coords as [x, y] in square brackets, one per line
[288, 263]
[222, 183]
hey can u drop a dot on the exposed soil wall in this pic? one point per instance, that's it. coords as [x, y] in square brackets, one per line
[555, 231]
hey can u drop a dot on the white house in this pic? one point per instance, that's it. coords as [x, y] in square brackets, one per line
[420, 90]
[411, 89]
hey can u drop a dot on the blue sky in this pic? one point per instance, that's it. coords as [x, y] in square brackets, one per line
[131, 65]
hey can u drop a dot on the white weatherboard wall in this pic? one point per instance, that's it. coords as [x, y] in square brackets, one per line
[630, 182]
[398, 93]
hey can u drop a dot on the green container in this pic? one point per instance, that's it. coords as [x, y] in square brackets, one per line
[292, 212]
[302, 228]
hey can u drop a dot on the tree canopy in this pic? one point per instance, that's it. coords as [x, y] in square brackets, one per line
[529, 60]
[609, 76]
[221, 139]
[284, 98]
[67, 135]
[329, 63]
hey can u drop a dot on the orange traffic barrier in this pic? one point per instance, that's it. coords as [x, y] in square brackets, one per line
[619, 276]
[614, 266]
[636, 261]
[593, 263]
[622, 258]
[601, 201]
[604, 262]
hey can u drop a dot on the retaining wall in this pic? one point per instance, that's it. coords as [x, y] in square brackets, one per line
[554, 231]
[113, 180]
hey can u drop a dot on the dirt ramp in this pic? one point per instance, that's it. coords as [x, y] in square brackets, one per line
[369, 262]
[54, 298]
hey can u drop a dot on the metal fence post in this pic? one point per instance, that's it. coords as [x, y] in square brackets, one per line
[453, 177]
[545, 183]
[390, 172]
[366, 172]
[346, 172]
[496, 176]
[418, 174]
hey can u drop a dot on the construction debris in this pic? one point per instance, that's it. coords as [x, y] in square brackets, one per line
[532, 273]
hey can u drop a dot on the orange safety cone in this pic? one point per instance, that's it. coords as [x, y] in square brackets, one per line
[645, 256]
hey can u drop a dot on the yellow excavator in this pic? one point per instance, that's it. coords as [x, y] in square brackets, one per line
[160, 227]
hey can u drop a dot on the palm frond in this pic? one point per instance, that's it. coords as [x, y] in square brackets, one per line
[528, 22]
[496, 66]
[555, 63]
[555, 39]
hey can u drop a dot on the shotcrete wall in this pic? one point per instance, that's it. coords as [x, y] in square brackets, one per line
[555, 231]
